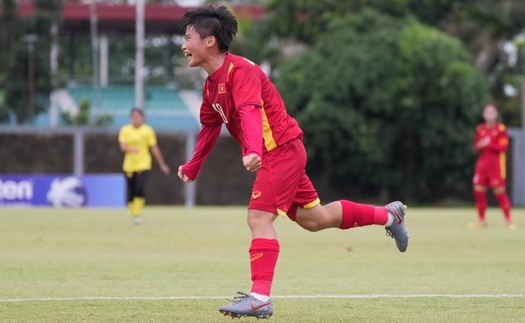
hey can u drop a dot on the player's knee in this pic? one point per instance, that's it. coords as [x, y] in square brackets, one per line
[315, 227]
[259, 219]
[499, 190]
[312, 226]
[313, 221]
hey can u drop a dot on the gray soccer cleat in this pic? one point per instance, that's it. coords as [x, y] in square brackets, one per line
[397, 230]
[247, 305]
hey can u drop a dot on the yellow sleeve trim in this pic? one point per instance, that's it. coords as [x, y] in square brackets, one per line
[269, 142]
[229, 71]
[503, 164]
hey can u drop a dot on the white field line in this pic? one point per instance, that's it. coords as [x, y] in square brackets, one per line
[162, 298]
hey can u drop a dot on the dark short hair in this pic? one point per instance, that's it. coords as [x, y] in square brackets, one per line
[214, 21]
[140, 111]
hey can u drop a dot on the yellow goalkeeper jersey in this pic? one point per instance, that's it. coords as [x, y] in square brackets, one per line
[142, 138]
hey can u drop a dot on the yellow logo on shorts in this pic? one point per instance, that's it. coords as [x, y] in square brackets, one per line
[256, 195]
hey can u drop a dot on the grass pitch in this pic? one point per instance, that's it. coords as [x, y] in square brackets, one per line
[86, 265]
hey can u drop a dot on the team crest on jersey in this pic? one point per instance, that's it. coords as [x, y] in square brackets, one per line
[222, 88]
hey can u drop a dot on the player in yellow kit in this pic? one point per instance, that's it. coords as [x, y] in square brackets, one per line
[136, 141]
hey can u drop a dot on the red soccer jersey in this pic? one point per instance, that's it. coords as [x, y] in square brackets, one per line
[492, 158]
[239, 82]
[236, 84]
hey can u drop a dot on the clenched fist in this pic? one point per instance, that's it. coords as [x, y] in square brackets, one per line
[183, 176]
[251, 162]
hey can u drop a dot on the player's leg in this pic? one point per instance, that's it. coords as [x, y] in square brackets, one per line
[480, 199]
[139, 199]
[479, 186]
[497, 181]
[504, 204]
[341, 214]
[308, 212]
[345, 214]
[130, 190]
[264, 252]
[272, 193]
[261, 224]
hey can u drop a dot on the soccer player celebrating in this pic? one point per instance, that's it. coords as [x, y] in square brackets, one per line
[239, 95]
[491, 142]
[136, 140]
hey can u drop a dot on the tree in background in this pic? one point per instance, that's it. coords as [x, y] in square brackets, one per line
[305, 20]
[10, 32]
[484, 26]
[15, 81]
[254, 41]
[82, 117]
[387, 105]
[481, 24]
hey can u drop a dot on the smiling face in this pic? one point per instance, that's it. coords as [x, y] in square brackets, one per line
[196, 48]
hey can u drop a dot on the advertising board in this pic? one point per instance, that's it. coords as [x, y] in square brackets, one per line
[61, 190]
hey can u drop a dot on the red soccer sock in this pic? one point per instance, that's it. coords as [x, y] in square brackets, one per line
[481, 204]
[504, 204]
[360, 215]
[263, 258]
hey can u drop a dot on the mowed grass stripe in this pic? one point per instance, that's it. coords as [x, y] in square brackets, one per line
[145, 298]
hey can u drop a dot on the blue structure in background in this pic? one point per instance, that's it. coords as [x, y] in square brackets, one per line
[104, 190]
[164, 108]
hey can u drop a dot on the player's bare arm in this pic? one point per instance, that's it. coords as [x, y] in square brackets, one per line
[155, 151]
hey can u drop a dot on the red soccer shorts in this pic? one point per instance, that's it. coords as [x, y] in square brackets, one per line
[281, 184]
[491, 179]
